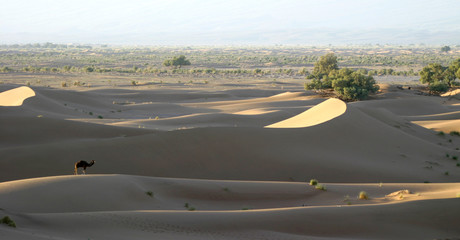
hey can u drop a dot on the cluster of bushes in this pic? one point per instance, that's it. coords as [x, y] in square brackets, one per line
[349, 85]
[440, 78]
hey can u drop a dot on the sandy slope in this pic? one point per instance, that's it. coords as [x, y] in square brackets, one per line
[117, 206]
[170, 140]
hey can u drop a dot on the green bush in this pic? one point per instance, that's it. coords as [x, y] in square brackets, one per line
[351, 86]
[438, 87]
[8, 221]
[313, 182]
[454, 133]
[320, 187]
[363, 195]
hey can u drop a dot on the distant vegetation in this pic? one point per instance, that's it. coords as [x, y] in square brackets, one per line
[275, 61]
[445, 49]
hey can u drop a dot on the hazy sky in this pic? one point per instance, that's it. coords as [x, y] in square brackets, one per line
[153, 22]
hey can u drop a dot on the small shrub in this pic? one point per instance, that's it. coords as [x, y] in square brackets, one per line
[313, 182]
[244, 209]
[454, 157]
[446, 173]
[226, 189]
[320, 187]
[191, 209]
[63, 84]
[8, 221]
[150, 193]
[363, 195]
[458, 164]
[100, 117]
[454, 133]
[186, 205]
[441, 133]
[447, 155]
[438, 87]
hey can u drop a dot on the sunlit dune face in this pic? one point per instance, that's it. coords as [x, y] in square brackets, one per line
[15, 97]
[318, 114]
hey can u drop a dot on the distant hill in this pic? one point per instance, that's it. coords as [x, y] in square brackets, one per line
[255, 37]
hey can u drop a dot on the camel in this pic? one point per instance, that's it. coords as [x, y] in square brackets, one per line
[84, 165]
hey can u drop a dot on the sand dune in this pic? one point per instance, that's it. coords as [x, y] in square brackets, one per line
[15, 97]
[210, 149]
[318, 114]
[274, 209]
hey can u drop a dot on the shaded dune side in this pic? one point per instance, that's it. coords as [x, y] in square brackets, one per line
[435, 219]
[128, 193]
[369, 150]
[22, 131]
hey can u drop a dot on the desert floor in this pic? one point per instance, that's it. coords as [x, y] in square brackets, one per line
[227, 160]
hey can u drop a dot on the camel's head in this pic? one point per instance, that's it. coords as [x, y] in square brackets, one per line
[92, 162]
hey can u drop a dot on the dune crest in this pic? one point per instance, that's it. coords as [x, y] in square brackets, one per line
[15, 97]
[318, 114]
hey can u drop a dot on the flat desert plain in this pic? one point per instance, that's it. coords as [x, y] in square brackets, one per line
[228, 161]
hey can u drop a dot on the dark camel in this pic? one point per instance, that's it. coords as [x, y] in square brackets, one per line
[84, 165]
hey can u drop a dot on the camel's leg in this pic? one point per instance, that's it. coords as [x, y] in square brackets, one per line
[75, 171]
[84, 171]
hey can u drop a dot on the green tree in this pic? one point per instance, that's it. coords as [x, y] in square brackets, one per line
[320, 75]
[325, 65]
[435, 73]
[177, 61]
[445, 49]
[454, 68]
